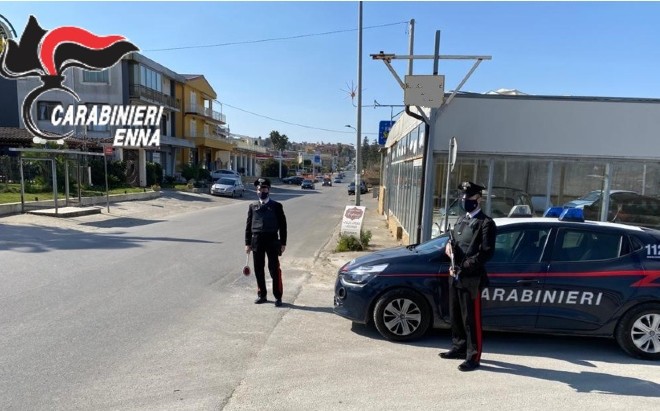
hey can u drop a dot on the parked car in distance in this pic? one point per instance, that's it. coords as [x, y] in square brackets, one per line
[539, 204]
[224, 173]
[227, 186]
[548, 275]
[297, 180]
[327, 182]
[337, 180]
[351, 188]
[628, 208]
[593, 197]
[307, 185]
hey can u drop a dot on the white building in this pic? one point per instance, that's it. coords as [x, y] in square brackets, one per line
[553, 148]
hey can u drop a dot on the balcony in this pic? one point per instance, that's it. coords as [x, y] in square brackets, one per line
[153, 96]
[194, 108]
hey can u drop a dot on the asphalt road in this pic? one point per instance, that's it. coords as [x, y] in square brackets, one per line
[146, 310]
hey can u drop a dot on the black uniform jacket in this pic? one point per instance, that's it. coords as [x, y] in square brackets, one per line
[266, 218]
[475, 252]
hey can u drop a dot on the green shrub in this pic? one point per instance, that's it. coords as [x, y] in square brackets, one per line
[365, 237]
[352, 243]
[154, 173]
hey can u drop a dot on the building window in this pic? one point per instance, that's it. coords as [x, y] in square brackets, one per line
[45, 109]
[151, 79]
[96, 76]
[193, 128]
[90, 107]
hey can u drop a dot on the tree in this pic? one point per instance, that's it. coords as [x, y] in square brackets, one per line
[271, 168]
[280, 141]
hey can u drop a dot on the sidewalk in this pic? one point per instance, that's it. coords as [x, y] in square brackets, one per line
[314, 357]
[329, 261]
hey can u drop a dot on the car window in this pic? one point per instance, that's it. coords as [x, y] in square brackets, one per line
[226, 181]
[584, 245]
[524, 245]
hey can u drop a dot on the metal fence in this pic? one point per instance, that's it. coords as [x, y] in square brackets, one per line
[48, 176]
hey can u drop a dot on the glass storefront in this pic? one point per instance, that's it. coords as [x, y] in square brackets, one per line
[403, 179]
[633, 186]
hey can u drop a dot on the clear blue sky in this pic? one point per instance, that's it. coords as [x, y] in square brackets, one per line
[564, 48]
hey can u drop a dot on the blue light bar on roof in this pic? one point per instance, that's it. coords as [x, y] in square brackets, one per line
[572, 214]
[553, 212]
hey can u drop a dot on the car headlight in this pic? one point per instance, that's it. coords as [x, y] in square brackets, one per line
[362, 274]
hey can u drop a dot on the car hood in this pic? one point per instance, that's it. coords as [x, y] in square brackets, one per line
[388, 255]
[225, 186]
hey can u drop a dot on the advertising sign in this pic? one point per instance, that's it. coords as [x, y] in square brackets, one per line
[351, 223]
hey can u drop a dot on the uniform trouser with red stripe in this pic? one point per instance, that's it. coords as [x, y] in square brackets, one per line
[465, 314]
[271, 248]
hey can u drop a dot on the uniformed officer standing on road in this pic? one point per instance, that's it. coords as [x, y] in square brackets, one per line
[474, 244]
[265, 235]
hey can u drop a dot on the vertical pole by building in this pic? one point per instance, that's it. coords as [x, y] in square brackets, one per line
[358, 157]
[428, 162]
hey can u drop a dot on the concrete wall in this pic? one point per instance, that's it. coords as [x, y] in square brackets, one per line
[567, 127]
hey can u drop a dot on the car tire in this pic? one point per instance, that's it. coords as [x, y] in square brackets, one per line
[401, 315]
[638, 332]
[242, 193]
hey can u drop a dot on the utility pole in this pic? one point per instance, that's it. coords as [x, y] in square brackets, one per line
[437, 105]
[359, 110]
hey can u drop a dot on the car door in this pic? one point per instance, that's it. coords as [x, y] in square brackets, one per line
[515, 273]
[588, 278]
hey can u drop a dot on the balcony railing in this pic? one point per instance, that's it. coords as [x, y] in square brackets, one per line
[145, 93]
[192, 107]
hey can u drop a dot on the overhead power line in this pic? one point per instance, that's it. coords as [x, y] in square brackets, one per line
[233, 43]
[288, 122]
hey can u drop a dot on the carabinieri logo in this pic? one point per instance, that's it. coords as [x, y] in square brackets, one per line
[46, 54]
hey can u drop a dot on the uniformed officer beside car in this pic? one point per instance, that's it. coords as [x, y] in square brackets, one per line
[472, 246]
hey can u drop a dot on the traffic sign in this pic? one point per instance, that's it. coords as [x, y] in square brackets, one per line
[384, 128]
[107, 150]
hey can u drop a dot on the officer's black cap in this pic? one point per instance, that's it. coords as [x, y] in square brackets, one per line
[469, 188]
[262, 182]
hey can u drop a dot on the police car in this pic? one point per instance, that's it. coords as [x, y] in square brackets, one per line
[557, 274]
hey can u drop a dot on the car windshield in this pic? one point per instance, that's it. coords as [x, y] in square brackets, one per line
[307, 181]
[592, 196]
[435, 245]
[226, 181]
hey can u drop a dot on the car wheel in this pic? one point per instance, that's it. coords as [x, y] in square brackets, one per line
[242, 193]
[638, 332]
[233, 194]
[401, 315]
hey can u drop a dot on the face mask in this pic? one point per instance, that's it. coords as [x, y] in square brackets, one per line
[469, 205]
[263, 195]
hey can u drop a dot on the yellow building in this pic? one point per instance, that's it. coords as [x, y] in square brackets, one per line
[202, 125]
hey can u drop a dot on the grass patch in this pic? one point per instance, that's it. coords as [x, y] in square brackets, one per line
[14, 196]
[352, 243]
